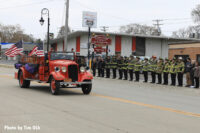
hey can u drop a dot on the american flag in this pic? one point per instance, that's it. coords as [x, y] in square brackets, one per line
[37, 50]
[40, 51]
[34, 51]
[15, 50]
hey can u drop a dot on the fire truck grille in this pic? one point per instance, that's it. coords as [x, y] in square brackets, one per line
[73, 72]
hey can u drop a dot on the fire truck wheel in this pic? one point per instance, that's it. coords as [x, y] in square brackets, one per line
[23, 83]
[54, 86]
[86, 89]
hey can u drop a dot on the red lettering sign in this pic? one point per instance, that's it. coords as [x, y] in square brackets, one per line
[101, 40]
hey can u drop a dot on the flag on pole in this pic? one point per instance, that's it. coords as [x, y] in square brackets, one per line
[40, 50]
[37, 50]
[34, 51]
[15, 50]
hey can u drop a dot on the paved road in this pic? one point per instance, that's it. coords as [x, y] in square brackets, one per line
[7, 62]
[113, 107]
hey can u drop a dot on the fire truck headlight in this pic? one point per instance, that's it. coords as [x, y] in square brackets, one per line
[64, 69]
[57, 69]
[82, 69]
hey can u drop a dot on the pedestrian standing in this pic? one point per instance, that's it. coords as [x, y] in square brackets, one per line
[145, 67]
[137, 69]
[196, 74]
[103, 67]
[131, 65]
[188, 68]
[173, 72]
[114, 67]
[180, 71]
[99, 62]
[159, 70]
[192, 74]
[120, 65]
[153, 65]
[166, 71]
[107, 66]
[94, 67]
[125, 68]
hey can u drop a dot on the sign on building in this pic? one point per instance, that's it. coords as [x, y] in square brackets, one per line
[89, 19]
[101, 40]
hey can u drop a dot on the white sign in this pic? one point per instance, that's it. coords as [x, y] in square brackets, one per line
[91, 50]
[89, 19]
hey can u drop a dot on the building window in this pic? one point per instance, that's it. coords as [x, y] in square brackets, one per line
[198, 58]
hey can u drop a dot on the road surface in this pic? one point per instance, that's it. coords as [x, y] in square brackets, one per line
[114, 106]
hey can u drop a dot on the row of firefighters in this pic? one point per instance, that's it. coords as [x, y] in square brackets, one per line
[160, 68]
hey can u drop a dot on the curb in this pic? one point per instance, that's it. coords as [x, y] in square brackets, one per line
[6, 66]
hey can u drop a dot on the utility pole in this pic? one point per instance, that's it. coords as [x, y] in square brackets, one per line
[104, 29]
[66, 26]
[158, 24]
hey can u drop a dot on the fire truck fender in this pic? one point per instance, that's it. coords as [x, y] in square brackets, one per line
[57, 76]
[86, 76]
[23, 71]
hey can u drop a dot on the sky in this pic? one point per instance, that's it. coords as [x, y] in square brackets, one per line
[112, 13]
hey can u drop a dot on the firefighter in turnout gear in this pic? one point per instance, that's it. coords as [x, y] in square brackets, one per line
[180, 71]
[166, 71]
[131, 65]
[159, 70]
[120, 62]
[103, 67]
[145, 67]
[153, 65]
[113, 65]
[173, 71]
[107, 66]
[125, 68]
[137, 69]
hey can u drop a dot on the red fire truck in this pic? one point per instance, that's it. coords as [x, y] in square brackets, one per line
[59, 69]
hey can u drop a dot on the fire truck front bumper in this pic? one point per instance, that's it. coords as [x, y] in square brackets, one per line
[75, 83]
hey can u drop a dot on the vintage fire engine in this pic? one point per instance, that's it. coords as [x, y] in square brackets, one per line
[59, 69]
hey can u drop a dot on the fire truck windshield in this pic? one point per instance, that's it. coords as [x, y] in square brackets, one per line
[62, 56]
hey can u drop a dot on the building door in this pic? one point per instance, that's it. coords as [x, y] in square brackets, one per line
[140, 46]
[183, 56]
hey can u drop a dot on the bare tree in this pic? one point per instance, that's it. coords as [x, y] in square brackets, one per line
[61, 32]
[191, 30]
[186, 32]
[14, 33]
[139, 29]
[181, 33]
[196, 14]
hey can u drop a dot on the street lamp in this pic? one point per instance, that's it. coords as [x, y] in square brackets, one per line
[42, 21]
[45, 11]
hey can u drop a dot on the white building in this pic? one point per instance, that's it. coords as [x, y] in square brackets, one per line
[122, 44]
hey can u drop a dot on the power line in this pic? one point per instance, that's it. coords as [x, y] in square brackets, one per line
[182, 22]
[29, 4]
[176, 19]
[128, 20]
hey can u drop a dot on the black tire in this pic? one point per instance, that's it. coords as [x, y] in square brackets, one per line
[23, 83]
[86, 89]
[54, 88]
